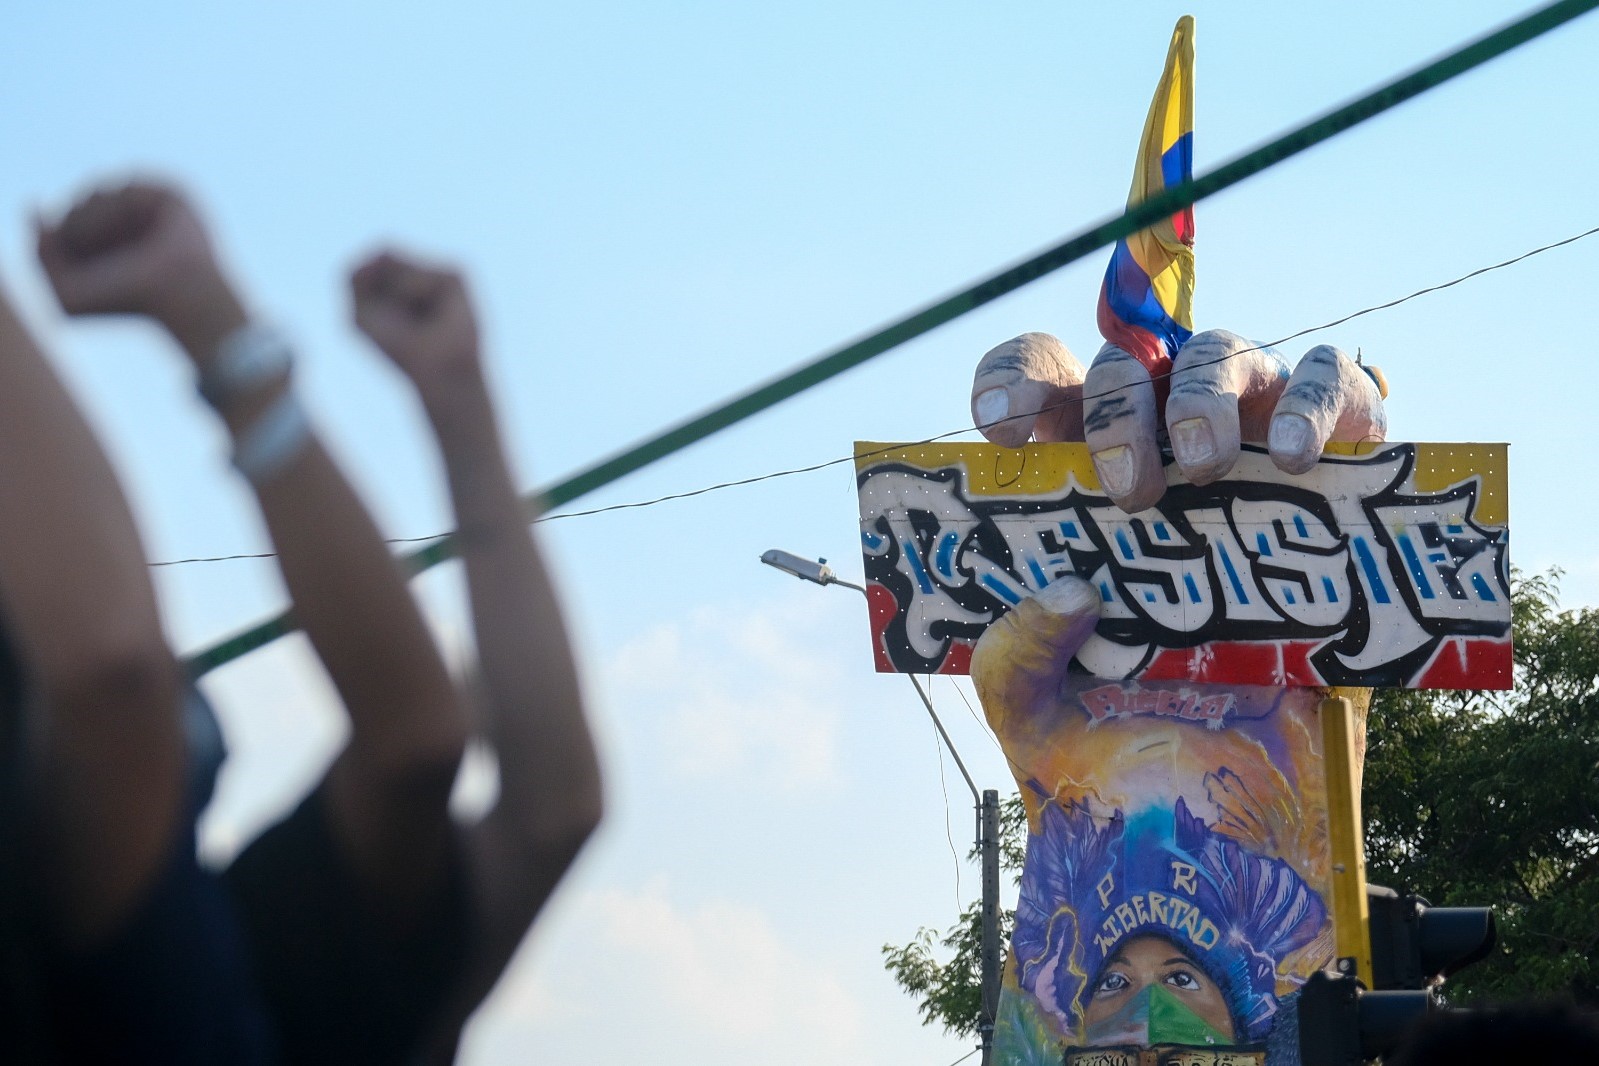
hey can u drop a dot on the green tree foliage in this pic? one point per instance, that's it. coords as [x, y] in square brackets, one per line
[950, 993]
[1469, 798]
[1492, 798]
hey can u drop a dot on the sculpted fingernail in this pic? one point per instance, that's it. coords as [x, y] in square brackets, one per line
[1193, 442]
[1290, 434]
[1115, 469]
[991, 406]
[1071, 595]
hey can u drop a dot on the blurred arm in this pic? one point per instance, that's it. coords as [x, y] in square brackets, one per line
[77, 592]
[550, 796]
[142, 249]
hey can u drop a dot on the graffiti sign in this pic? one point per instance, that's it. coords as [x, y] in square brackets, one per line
[1385, 565]
[1164, 1056]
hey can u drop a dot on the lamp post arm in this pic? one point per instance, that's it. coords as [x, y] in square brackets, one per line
[976, 796]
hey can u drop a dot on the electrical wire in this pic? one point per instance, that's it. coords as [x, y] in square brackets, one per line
[987, 732]
[1136, 217]
[1015, 767]
[1325, 325]
[949, 832]
[1086, 396]
[812, 468]
[966, 1056]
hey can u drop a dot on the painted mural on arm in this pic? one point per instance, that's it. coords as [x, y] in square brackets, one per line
[1384, 565]
[1175, 890]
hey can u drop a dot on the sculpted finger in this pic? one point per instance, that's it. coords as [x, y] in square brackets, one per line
[1119, 424]
[1222, 393]
[1072, 608]
[1329, 397]
[1021, 660]
[1028, 387]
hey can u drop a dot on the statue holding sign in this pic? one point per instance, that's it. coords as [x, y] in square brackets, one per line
[1151, 636]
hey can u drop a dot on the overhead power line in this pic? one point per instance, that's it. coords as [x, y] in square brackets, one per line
[1048, 407]
[827, 463]
[1105, 233]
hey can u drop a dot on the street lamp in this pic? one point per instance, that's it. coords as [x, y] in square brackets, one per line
[987, 804]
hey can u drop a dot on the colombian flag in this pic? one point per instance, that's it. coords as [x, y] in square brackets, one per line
[1146, 305]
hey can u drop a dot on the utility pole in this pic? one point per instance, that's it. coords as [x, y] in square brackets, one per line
[987, 806]
[988, 840]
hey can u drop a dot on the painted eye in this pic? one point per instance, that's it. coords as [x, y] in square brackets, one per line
[1184, 980]
[1111, 983]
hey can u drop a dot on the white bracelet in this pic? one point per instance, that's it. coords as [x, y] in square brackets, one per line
[248, 359]
[272, 441]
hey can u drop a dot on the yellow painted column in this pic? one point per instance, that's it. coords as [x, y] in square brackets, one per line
[1347, 839]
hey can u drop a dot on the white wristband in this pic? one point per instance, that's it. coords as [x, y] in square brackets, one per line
[248, 359]
[272, 441]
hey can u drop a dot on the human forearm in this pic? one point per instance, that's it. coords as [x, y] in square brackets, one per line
[550, 798]
[421, 317]
[350, 598]
[106, 750]
[549, 775]
[72, 568]
[349, 594]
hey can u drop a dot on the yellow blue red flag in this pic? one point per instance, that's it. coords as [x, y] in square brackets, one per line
[1146, 305]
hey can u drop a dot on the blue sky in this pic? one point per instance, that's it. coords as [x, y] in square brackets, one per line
[661, 205]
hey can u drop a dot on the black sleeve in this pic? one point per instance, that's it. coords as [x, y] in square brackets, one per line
[341, 986]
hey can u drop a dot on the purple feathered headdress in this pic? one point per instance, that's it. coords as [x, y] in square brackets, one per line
[1090, 883]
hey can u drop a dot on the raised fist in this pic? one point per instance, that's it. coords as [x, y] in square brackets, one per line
[418, 314]
[1224, 391]
[135, 249]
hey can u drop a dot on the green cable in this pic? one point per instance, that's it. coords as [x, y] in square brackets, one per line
[937, 314]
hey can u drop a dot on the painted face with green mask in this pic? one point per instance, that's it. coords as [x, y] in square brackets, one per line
[1150, 992]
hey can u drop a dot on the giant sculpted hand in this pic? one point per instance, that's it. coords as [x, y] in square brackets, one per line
[1175, 886]
[1224, 391]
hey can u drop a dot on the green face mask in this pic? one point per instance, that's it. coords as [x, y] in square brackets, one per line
[1154, 1015]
